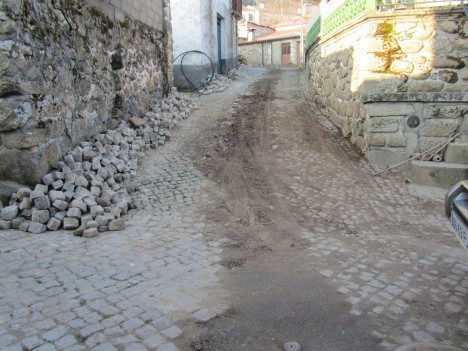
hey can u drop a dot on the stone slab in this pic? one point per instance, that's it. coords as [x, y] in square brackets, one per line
[438, 174]
[457, 153]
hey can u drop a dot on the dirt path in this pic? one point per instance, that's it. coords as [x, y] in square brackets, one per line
[317, 249]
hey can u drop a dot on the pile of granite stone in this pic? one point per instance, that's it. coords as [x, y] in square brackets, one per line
[88, 190]
[218, 84]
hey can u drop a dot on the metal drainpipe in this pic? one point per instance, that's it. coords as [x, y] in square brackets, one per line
[271, 52]
[263, 57]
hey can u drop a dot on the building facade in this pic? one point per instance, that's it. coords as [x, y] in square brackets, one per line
[208, 27]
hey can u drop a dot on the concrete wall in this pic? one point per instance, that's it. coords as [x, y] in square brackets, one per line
[71, 70]
[395, 84]
[194, 26]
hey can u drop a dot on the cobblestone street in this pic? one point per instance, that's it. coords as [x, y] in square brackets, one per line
[279, 199]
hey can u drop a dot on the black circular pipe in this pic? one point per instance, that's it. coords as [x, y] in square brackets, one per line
[201, 86]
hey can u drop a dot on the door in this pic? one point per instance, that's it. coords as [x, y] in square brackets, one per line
[220, 64]
[285, 53]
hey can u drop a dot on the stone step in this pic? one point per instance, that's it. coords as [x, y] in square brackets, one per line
[438, 174]
[457, 153]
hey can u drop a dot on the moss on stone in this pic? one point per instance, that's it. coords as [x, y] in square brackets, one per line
[384, 28]
[457, 59]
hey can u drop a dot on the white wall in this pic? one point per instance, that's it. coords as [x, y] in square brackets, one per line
[194, 27]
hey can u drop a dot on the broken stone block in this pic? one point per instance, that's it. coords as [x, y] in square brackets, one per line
[36, 228]
[79, 231]
[16, 222]
[23, 193]
[56, 195]
[61, 215]
[4, 225]
[70, 223]
[96, 191]
[80, 204]
[77, 154]
[96, 163]
[53, 223]
[48, 179]
[40, 216]
[90, 232]
[117, 224]
[92, 224]
[85, 219]
[81, 181]
[69, 195]
[26, 203]
[96, 210]
[68, 187]
[36, 193]
[103, 228]
[42, 202]
[58, 184]
[89, 201]
[74, 212]
[26, 213]
[137, 122]
[60, 205]
[86, 165]
[9, 212]
[70, 177]
[58, 175]
[24, 226]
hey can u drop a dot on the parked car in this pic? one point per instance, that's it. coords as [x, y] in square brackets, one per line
[456, 208]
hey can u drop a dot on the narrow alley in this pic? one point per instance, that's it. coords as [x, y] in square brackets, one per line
[256, 225]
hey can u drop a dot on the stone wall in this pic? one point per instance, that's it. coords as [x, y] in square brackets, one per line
[71, 69]
[395, 83]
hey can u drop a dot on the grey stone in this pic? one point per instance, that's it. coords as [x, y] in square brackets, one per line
[58, 184]
[70, 223]
[26, 203]
[53, 223]
[81, 181]
[117, 224]
[80, 204]
[36, 228]
[61, 215]
[68, 187]
[96, 210]
[14, 113]
[42, 202]
[92, 224]
[23, 193]
[56, 195]
[5, 224]
[48, 179]
[40, 216]
[24, 226]
[90, 232]
[74, 212]
[16, 222]
[60, 205]
[9, 212]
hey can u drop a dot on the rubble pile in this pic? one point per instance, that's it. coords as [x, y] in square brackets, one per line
[239, 72]
[220, 83]
[88, 190]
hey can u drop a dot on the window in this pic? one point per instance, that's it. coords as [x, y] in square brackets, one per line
[286, 49]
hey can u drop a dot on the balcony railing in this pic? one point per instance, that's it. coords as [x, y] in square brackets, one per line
[334, 14]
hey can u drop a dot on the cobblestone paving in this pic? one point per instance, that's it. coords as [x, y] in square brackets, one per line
[121, 290]
[393, 257]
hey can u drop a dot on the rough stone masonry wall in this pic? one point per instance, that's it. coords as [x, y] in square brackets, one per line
[71, 69]
[394, 84]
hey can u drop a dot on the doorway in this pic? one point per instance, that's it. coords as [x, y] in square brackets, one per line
[285, 53]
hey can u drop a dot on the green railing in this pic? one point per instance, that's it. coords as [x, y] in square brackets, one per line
[335, 14]
[313, 32]
[349, 10]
